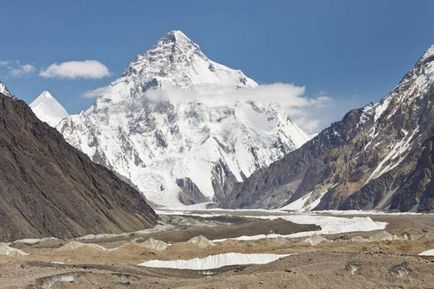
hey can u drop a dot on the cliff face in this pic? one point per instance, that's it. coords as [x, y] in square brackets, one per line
[376, 157]
[48, 188]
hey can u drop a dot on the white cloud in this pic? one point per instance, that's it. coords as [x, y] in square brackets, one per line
[15, 68]
[288, 95]
[304, 110]
[92, 69]
[96, 92]
[21, 70]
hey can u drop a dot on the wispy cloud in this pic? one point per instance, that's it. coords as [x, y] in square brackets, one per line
[15, 68]
[21, 70]
[306, 111]
[94, 93]
[86, 69]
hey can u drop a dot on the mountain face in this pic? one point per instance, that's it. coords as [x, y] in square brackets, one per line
[48, 109]
[163, 126]
[48, 188]
[378, 157]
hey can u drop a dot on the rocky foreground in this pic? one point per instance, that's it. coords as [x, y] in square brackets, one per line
[376, 259]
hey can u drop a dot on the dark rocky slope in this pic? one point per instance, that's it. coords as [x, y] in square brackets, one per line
[377, 157]
[48, 188]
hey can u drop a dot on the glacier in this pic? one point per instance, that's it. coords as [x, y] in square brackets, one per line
[214, 261]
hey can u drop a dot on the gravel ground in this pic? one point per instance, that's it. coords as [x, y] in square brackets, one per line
[341, 261]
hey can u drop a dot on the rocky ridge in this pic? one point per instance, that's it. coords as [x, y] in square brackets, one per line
[48, 188]
[377, 157]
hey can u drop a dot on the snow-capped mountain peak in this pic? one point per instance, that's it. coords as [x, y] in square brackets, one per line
[176, 60]
[4, 90]
[48, 109]
[174, 126]
[177, 38]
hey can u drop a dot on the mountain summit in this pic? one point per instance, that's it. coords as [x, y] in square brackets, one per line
[48, 109]
[176, 60]
[173, 126]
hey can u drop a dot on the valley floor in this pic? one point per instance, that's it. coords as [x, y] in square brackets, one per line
[325, 251]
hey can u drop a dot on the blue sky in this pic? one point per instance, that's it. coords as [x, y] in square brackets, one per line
[352, 51]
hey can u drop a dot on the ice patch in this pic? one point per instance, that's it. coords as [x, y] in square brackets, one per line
[214, 261]
[370, 212]
[427, 253]
[305, 202]
[328, 224]
[297, 204]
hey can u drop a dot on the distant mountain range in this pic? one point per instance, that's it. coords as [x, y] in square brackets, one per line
[171, 127]
[380, 157]
[49, 188]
